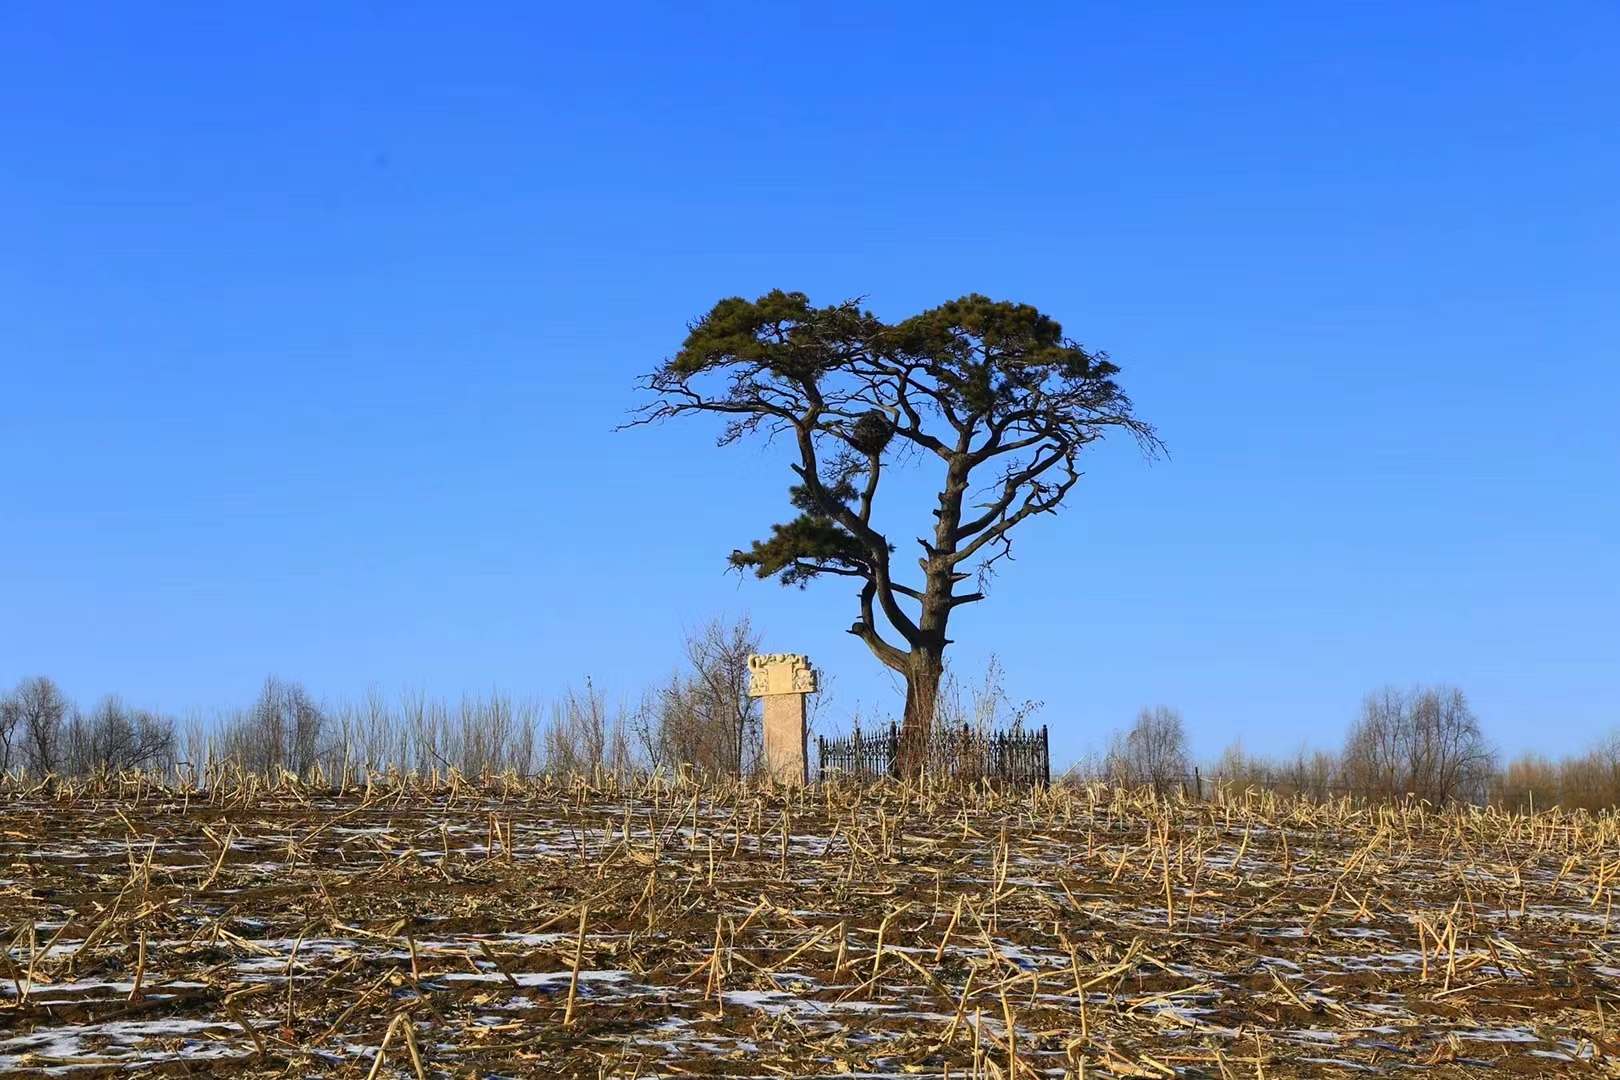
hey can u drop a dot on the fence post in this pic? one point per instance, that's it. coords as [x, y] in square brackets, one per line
[821, 755]
[1198, 783]
[894, 749]
[1046, 759]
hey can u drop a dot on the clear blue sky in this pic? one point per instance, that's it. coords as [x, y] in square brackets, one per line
[317, 318]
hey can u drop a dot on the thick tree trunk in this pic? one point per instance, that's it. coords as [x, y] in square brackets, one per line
[923, 676]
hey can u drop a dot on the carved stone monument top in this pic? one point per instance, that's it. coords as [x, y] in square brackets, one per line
[759, 660]
[780, 673]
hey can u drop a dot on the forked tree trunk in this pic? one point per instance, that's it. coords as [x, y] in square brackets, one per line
[923, 677]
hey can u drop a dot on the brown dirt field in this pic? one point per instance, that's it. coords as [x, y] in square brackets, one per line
[275, 931]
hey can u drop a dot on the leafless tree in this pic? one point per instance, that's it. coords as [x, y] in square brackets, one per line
[1153, 753]
[1313, 774]
[40, 710]
[114, 738]
[281, 731]
[984, 705]
[197, 744]
[966, 716]
[1425, 742]
[703, 716]
[584, 737]
[10, 722]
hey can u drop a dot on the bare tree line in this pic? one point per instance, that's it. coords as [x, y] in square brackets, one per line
[1423, 742]
[700, 718]
[1586, 781]
[43, 733]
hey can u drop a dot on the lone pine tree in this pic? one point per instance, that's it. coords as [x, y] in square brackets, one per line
[991, 393]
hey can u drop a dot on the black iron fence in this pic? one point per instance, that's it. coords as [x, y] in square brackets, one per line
[865, 755]
[1016, 757]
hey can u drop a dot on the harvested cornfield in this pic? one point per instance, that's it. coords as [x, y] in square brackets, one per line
[657, 929]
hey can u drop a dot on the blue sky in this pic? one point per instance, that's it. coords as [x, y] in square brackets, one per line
[317, 320]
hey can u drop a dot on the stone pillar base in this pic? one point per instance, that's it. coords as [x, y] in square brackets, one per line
[785, 739]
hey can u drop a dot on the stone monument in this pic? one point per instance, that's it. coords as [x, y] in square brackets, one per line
[783, 680]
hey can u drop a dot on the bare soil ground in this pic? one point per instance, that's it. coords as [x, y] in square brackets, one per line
[544, 930]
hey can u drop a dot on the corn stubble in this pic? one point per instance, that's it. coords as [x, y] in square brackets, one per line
[451, 927]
